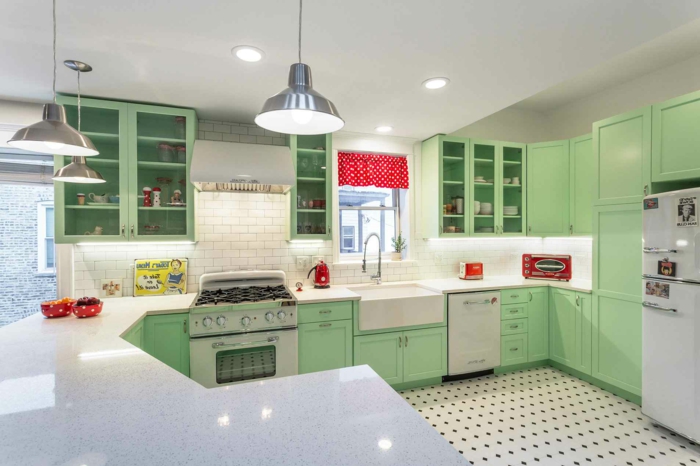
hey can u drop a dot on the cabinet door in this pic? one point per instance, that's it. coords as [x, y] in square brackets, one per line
[617, 311]
[485, 189]
[166, 339]
[622, 157]
[324, 346]
[538, 324]
[548, 189]
[454, 169]
[582, 184]
[512, 182]
[584, 338]
[514, 349]
[383, 353]
[425, 354]
[675, 139]
[562, 327]
[311, 201]
[105, 123]
[161, 140]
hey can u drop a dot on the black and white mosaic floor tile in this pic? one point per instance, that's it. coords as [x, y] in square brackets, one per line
[546, 417]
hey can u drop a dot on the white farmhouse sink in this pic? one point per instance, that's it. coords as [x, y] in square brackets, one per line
[390, 306]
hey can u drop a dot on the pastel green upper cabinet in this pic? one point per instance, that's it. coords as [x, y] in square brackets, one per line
[582, 182]
[425, 354]
[161, 140]
[167, 339]
[512, 182]
[311, 199]
[675, 139]
[538, 324]
[105, 123]
[622, 158]
[548, 189]
[444, 177]
[325, 345]
[383, 353]
[562, 326]
[617, 296]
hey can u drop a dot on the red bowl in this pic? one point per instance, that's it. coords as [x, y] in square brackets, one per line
[57, 310]
[87, 311]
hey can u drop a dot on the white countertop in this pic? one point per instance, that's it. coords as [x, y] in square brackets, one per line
[440, 285]
[73, 393]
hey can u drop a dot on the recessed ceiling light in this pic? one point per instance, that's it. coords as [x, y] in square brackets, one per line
[248, 53]
[435, 83]
[383, 129]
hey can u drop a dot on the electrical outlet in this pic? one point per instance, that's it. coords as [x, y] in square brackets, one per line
[316, 259]
[438, 258]
[303, 262]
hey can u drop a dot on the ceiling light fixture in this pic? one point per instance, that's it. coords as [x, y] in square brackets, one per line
[435, 83]
[53, 135]
[248, 53]
[383, 129]
[299, 109]
[77, 171]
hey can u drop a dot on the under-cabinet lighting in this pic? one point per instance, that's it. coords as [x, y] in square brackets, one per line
[127, 243]
[568, 238]
[306, 241]
[484, 239]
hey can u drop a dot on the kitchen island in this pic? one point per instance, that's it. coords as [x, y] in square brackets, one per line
[72, 392]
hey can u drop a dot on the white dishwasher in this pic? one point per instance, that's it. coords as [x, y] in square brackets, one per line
[473, 332]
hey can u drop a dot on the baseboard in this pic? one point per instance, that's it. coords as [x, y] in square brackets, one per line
[520, 367]
[631, 397]
[418, 383]
[471, 375]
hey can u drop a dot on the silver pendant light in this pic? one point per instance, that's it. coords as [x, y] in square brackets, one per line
[299, 109]
[77, 170]
[53, 135]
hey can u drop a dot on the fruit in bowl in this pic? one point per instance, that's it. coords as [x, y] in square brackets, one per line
[57, 308]
[87, 307]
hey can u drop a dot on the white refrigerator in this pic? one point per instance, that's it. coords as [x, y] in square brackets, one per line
[671, 304]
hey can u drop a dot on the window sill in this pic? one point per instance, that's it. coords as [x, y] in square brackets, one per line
[45, 274]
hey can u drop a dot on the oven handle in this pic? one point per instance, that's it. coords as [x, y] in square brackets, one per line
[221, 344]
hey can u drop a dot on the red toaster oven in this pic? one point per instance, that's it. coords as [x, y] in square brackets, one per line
[551, 266]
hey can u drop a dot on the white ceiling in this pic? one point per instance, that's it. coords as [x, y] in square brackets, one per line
[368, 56]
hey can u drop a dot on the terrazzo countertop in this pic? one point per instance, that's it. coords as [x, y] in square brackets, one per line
[72, 393]
[311, 295]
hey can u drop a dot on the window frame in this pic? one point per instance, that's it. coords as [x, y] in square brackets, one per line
[42, 208]
[395, 208]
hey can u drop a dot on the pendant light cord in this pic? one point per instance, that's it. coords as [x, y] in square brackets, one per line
[300, 8]
[54, 51]
[78, 100]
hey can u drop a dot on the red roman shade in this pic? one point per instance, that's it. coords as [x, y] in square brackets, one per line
[382, 171]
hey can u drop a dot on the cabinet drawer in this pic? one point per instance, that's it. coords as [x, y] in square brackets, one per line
[513, 326]
[514, 349]
[513, 311]
[514, 296]
[324, 312]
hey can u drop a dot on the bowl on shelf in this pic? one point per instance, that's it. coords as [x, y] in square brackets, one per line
[477, 207]
[114, 199]
[52, 309]
[506, 180]
[90, 310]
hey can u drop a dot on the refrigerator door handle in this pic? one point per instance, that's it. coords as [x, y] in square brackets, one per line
[658, 250]
[656, 306]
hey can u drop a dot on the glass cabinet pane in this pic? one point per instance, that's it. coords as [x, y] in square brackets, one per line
[312, 183]
[513, 199]
[484, 194]
[94, 209]
[454, 160]
[161, 174]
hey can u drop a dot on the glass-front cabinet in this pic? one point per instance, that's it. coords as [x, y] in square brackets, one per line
[513, 164]
[145, 153]
[311, 198]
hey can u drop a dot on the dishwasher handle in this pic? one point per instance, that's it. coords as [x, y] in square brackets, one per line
[472, 303]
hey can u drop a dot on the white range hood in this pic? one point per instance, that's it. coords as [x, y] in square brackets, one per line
[237, 167]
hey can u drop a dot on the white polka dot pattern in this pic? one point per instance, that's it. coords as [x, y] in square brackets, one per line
[382, 171]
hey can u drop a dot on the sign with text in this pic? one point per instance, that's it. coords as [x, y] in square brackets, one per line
[160, 277]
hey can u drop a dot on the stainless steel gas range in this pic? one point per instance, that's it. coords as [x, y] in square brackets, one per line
[243, 327]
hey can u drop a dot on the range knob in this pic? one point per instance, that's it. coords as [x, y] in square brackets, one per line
[245, 321]
[221, 320]
[270, 317]
[281, 315]
[207, 321]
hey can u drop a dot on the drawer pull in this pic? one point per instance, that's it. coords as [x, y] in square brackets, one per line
[513, 311]
[515, 326]
[514, 349]
[325, 325]
[327, 311]
[399, 342]
[515, 296]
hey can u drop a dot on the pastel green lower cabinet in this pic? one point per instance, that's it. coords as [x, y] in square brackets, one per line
[167, 339]
[562, 326]
[424, 354]
[325, 345]
[383, 353]
[584, 333]
[513, 349]
[404, 356]
[135, 335]
[538, 324]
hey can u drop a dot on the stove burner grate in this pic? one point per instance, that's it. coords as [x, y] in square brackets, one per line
[239, 295]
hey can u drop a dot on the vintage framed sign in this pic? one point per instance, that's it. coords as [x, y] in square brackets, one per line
[160, 277]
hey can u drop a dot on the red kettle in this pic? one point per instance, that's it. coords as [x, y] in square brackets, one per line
[322, 279]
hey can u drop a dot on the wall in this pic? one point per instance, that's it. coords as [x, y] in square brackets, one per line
[14, 115]
[512, 125]
[21, 289]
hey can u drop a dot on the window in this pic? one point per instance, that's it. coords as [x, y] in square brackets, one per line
[366, 210]
[45, 246]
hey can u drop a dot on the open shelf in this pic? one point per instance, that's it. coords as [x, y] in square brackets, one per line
[511, 162]
[311, 179]
[452, 182]
[512, 186]
[183, 208]
[454, 215]
[311, 151]
[484, 216]
[479, 183]
[165, 140]
[97, 207]
[483, 162]
[170, 165]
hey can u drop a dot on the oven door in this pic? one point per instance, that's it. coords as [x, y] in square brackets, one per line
[231, 359]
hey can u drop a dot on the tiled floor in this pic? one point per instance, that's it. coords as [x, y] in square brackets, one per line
[545, 417]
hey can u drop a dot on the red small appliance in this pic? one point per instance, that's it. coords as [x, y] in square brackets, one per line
[471, 271]
[548, 266]
[322, 278]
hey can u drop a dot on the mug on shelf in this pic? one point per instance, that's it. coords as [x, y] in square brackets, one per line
[100, 199]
